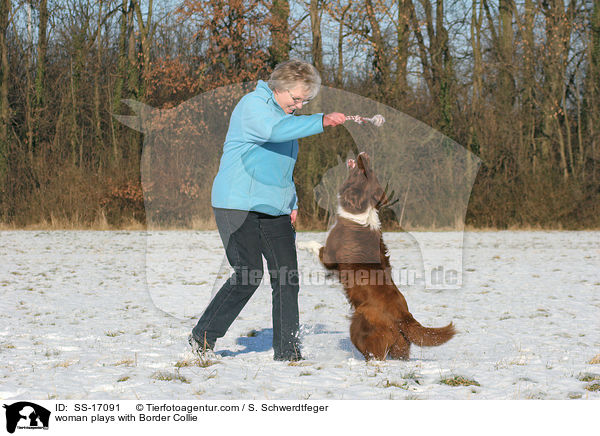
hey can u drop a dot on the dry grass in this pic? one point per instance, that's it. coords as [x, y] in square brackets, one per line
[459, 380]
[169, 376]
[66, 363]
[115, 333]
[587, 377]
[125, 362]
[101, 224]
[394, 384]
[201, 362]
[594, 387]
[595, 360]
[299, 363]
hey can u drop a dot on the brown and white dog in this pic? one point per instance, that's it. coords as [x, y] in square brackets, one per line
[381, 324]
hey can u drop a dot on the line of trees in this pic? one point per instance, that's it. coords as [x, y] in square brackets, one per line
[516, 82]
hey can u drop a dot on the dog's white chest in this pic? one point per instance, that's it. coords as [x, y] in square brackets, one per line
[368, 218]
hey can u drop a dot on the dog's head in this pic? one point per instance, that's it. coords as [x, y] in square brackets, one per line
[361, 190]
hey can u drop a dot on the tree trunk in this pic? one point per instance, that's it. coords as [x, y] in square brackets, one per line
[381, 63]
[133, 80]
[132, 58]
[146, 36]
[442, 74]
[40, 79]
[97, 121]
[446, 72]
[339, 75]
[4, 77]
[315, 26]
[403, 42]
[29, 104]
[119, 92]
[558, 33]
[477, 86]
[506, 83]
[280, 33]
[39, 102]
[591, 104]
[528, 105]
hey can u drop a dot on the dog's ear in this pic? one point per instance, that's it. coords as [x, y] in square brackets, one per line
[360, 162]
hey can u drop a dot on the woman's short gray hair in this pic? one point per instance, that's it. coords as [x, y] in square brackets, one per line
[294, 72]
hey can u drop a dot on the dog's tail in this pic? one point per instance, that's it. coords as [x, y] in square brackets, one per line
[425, 336]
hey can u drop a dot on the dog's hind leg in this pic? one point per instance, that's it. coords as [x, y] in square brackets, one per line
[372, 341]
[400, 349]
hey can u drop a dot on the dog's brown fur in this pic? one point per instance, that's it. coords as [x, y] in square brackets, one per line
[382, 325]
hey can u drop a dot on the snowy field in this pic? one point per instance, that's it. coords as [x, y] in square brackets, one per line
[97, 315]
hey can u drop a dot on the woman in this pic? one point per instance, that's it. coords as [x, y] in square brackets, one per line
[255, 203]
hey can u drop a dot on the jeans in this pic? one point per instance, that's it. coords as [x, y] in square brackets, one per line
[247, 236]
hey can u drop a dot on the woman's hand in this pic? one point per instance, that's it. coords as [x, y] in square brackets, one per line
[333, 119]
[293, 216]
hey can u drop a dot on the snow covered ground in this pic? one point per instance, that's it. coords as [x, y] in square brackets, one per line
[97, 315]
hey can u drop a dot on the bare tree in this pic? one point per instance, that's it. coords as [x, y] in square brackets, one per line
[558, 27]
[4, 78]
[315, 27]
[436, 60]
[592, 86]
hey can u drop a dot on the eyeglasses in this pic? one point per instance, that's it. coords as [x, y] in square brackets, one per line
[297, 100]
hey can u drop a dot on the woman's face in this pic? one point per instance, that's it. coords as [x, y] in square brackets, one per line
[291, 99]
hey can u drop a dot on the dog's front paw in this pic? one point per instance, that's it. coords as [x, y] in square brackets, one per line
[312, 246]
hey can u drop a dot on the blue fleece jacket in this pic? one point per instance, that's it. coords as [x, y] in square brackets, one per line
[260, 151]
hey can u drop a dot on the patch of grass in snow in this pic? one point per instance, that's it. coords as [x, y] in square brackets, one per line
[535, 396]
[593, 387]
[394, 384]
[114, 333]
[299, 363]
[540, 313]
[124, 362]
[213, 374]
[412, 376]
[169, 376]
[202, 362]
[51, 353]
[65, 364]
[588, 377]
[459, 380]
[521, 361]
[304, 373]
[124, 378]
[595, 360]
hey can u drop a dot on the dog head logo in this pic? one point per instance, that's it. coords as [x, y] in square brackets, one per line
[26, 415]
[431, 175]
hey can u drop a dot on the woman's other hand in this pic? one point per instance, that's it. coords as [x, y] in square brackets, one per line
[293, 216]
[333, 119]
